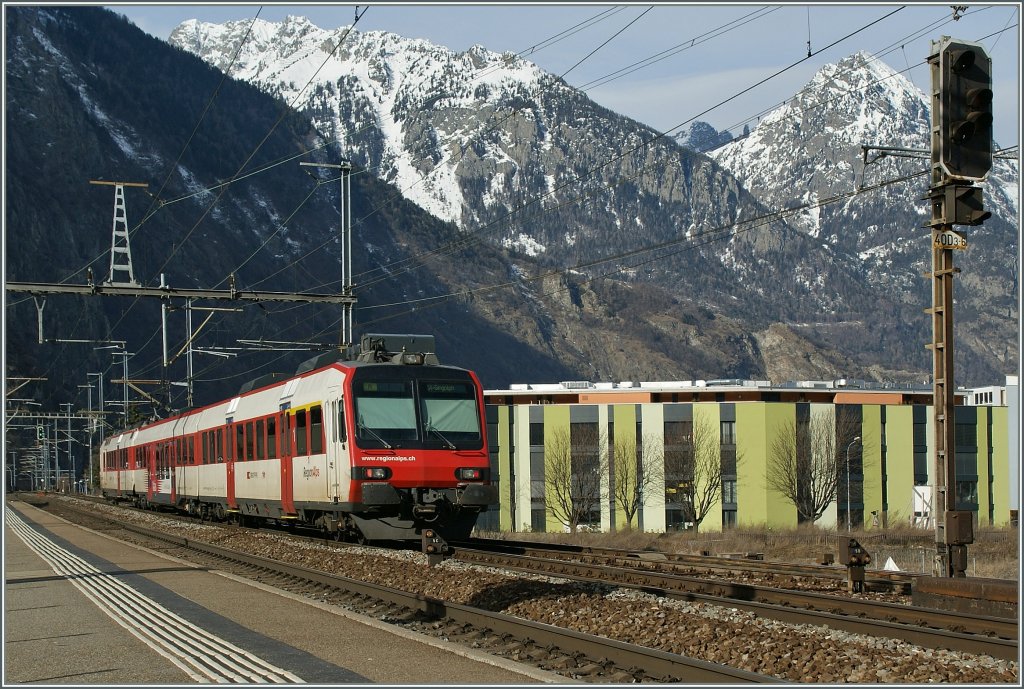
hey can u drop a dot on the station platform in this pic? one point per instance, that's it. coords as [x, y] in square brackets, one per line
[83, 608]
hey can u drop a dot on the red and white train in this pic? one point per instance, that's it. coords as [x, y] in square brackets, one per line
[382, 446]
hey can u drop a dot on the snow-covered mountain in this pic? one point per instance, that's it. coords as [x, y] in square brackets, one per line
[817, 138]
[395, 105]
[485, 140]
[515, 156]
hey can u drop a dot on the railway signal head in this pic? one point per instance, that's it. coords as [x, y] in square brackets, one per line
[965, 205]
[965, 110]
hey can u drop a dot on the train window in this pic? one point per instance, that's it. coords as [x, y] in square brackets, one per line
[220, 445]
[191, 451]
[260, 441]
[300, 432]
[249, 454]
[385, 412]
[271, 437]
[286, 446]
[316, 430]
[449, 411]
[239, 443]
[342, 433]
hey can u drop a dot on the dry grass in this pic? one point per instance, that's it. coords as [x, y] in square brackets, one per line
[995, 552]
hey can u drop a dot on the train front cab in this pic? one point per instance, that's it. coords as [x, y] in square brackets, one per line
[418, 449]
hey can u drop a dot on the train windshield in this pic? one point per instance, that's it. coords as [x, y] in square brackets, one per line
[416, 413]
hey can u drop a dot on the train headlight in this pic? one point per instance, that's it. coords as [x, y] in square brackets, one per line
[370, 473]
[471, 474]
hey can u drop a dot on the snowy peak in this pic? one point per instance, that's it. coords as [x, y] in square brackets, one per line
[868, 207]
[404, 108]
[819, 132]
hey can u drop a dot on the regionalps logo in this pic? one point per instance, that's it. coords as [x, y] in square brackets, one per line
[388, 458]
[313, 472]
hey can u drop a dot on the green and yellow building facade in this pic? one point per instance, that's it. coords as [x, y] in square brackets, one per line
[890, 468]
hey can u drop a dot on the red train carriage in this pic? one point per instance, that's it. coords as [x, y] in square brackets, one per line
[376, 447]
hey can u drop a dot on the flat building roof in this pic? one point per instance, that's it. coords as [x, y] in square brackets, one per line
[836, 391]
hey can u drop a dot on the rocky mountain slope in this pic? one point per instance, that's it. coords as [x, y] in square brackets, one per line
[820, 133]
[515, 156]
[557, 244]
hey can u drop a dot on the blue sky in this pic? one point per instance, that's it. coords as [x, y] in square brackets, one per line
[733, 46]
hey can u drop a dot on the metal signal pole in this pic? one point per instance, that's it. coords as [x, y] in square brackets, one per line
[961, 144]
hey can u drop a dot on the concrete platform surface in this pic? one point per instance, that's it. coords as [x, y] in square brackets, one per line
[82, 608]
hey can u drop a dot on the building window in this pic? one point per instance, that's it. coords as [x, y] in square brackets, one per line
[728, 519]
[675, 520]
[537, 520]
[966, 435]
[967, 492]
[729, 491]
[920, 468]
[536, 433]
[728, 455]
[728, 432]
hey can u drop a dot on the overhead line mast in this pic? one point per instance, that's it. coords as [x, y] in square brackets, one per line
[120, 245]
[345, 231]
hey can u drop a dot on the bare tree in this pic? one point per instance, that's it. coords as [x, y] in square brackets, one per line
[630, 483]
[573, 471]
[807, 462]
[693, 468]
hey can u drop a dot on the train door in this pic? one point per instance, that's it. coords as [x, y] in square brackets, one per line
[229, 462]
[151, 473]
[329, 423]
[338, 455]
[176, 466]
[284, 449]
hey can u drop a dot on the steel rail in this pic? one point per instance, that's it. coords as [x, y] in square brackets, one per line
[668, 666]
[912, 624]
[900, 581]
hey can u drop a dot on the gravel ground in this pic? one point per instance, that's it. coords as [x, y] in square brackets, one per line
[799, 653]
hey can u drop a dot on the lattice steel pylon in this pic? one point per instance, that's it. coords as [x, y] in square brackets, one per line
[120, 245]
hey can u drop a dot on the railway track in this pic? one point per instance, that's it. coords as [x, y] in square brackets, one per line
[923, 626]
[587, 657]
[680, 563]
[548, 601]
